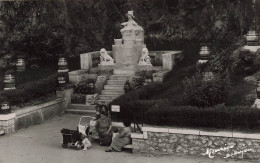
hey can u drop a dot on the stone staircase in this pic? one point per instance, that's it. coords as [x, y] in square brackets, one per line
[113, 89]
[115, 85]
[81, 109]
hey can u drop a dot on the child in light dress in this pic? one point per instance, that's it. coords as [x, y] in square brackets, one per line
[86, 143]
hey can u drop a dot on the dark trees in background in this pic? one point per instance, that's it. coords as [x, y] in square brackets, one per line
[48, 28]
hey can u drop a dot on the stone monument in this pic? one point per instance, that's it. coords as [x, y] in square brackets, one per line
[145, 60]
[128, 50]
[106, 61]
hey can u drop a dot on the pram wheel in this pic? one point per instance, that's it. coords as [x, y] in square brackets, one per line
[64, 145]
[78, 145]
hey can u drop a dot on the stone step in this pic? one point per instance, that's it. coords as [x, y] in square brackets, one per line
[124, 72]
[103, 101]
[82, 112]
[81, 107]
[107, 97]
[119, 77]
[112, 92]
[116, 82]
[114, 87]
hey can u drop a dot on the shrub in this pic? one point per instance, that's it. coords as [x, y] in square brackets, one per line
[139, 80]
[85, 87]
[162, 112]
[78, 99]
[246, 61]
[203, 93]
[30, 91]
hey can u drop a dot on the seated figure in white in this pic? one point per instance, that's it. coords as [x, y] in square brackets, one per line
[105, 59]
[145, 59]
[130, 24]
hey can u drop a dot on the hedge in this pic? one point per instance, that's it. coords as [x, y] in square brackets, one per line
[30, 91]
[163, 113]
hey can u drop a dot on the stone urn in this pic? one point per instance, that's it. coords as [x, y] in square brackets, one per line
[20, 65]
[62, 81]
[204, 53]
[5, 108]
[63, 64]
[252, 38]
[9, 82]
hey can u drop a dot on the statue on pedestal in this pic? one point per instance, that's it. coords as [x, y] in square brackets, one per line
[105, 59]
[130, 24]
[145, 59]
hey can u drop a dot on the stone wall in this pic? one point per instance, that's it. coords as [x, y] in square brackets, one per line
[7, 123]
[37, 114]
[225, 145]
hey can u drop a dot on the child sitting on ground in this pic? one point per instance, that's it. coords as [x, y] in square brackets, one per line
[85, 140]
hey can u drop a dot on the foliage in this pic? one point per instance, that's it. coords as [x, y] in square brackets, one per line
[78, 99]
[32, 29]
[50, 28]
[140, 78]
[163, 112]
[246, 61]
[30, 91]
[202, 93]
[85, 87]
[220, 116]
[137, 82]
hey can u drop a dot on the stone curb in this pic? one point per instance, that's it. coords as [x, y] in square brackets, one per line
[37, 107]
[196, 132]
[5, 117]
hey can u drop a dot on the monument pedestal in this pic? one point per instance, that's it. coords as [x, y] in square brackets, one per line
[105, 69]
[144, 67]
[102, 67]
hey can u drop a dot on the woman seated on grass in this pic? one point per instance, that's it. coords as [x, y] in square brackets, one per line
[122, 138]
[103, 127]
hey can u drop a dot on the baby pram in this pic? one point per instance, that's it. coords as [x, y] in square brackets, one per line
[71, 138]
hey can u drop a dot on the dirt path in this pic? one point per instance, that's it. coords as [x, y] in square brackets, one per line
[41, 144]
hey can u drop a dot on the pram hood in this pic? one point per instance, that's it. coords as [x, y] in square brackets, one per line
[67, 131]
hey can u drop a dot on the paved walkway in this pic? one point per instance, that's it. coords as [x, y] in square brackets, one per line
[41, 144]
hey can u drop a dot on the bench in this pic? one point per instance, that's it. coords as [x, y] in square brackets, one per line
[129, 146]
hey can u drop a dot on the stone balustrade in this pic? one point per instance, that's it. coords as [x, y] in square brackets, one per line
[91, 59]
[167, 59]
